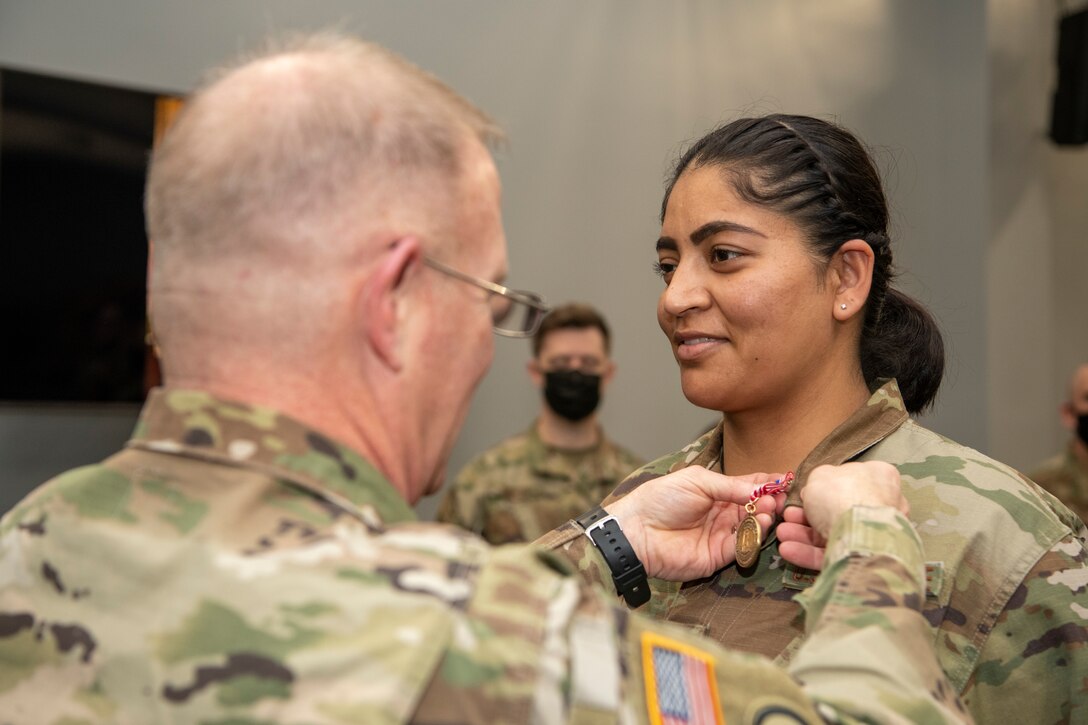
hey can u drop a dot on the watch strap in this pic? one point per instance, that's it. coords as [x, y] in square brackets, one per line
[628, 574]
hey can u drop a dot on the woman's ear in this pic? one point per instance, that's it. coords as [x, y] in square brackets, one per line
[852, 276]
[383, 300]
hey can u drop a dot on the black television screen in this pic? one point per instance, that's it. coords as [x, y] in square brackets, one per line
[73, 157]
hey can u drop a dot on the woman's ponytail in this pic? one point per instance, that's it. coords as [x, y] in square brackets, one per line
[906, 344]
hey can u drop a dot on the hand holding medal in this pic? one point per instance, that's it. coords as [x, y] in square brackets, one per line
[684, 525]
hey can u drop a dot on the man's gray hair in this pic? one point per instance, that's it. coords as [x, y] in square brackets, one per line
[279, 145]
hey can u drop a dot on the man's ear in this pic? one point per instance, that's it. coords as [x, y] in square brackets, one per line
[147, 288]
[851, 273]
[535, 373]
[1068, 416]
[608, 373]
[384, 302]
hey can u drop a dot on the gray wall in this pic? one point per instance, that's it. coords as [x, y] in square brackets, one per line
[37, 443]
[597, 99]
[1037, 251]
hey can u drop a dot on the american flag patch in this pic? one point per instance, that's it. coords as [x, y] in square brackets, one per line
[680, 684]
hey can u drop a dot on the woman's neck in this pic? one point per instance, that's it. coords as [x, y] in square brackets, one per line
[775, 439]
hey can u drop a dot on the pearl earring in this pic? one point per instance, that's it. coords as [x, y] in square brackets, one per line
[842, 306]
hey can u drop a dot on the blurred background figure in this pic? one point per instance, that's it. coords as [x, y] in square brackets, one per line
[1066, 474]
[563, 464]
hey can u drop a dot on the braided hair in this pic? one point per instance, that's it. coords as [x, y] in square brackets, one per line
[820, 176]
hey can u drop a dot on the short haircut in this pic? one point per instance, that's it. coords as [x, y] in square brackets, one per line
[573, 315]
[278, 145]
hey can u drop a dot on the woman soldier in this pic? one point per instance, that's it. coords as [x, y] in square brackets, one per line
[779, 308]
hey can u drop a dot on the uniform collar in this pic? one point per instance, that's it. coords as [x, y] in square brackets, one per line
[196, 424]
[874, 421]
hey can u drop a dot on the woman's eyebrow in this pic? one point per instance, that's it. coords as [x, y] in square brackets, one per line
[711, 228]
[708, 230]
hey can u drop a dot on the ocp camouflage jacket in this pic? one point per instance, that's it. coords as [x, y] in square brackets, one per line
[1006, 569]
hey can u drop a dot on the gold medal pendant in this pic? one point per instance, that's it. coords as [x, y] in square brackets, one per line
[749, 537]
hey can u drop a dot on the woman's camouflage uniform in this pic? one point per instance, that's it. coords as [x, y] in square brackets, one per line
[1006, 569]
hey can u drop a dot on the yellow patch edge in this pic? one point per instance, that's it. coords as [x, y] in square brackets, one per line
[653, 639]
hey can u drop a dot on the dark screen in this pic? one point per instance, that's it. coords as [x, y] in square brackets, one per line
[74, 252]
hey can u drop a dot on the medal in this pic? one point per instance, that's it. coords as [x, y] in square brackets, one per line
[749, 535]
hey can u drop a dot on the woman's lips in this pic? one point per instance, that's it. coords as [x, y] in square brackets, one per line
[691, 347]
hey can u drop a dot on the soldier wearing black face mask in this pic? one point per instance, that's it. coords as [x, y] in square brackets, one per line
[563, 464]
[572, 394]
[1066, 475]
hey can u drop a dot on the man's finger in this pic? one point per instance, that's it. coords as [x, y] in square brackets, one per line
[732, 489]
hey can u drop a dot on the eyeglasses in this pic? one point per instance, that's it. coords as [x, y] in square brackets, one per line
[514, 313]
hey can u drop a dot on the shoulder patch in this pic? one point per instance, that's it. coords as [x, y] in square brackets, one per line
[680, 683]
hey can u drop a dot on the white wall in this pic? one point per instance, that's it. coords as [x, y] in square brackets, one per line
[598, 98]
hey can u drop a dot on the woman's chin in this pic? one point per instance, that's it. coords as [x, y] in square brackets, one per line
[708, 397]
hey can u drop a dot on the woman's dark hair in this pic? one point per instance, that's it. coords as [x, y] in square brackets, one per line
[821, 177]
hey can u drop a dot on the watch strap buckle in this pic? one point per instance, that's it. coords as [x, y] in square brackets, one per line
[628, 574]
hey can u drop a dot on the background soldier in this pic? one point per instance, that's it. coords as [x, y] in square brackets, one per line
[1066, 474]
[532, 482]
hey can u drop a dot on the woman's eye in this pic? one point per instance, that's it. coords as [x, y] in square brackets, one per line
[723, 254]
[664, 269]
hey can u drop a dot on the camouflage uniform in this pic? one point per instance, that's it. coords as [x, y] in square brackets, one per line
[1066, 478]
[1006, 569]
[523, 488]
[232, 566]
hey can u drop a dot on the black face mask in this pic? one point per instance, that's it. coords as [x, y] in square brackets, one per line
[572, 394]
[1082, 428]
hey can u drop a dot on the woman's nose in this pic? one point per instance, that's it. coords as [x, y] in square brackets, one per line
[685, 292]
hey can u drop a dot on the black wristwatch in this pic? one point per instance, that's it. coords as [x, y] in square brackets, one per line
[627, 572]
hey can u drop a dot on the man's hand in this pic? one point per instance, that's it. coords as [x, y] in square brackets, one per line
[683, 525]
[830, 491]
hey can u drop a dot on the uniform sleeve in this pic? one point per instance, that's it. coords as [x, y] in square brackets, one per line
[869, 656]
[868, 653]
[1039, 644]
[569, 542]
[537, 644]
